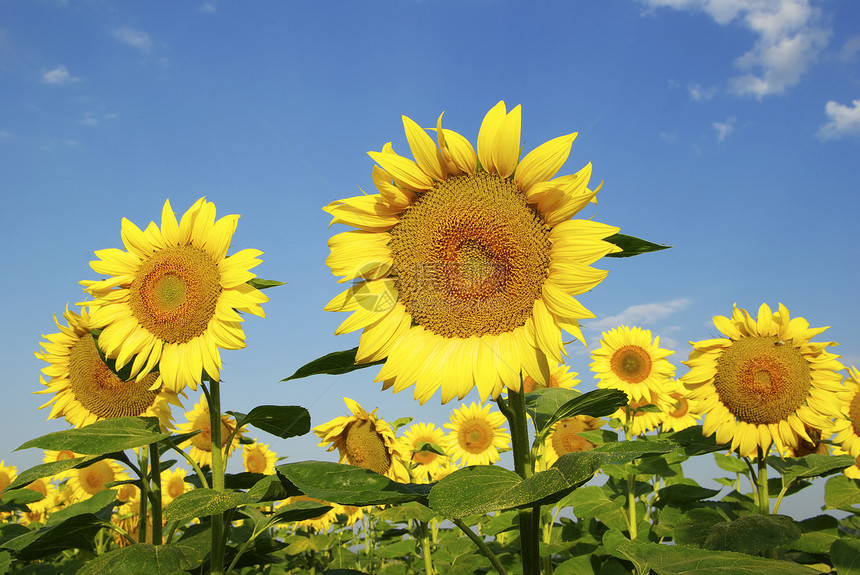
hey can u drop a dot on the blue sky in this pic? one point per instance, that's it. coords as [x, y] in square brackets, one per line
[726, 128]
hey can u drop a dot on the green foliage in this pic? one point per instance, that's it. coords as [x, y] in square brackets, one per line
[282, 421]
[145, 558]
[105, 436]
[547, 406]
[632, 246]
[335, 363]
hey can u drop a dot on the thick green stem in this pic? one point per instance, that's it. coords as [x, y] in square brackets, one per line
[144, 494]
[763, 495]
[214, 398]
[155, 476]
[497, 565]
[424, 537]
[631, 506]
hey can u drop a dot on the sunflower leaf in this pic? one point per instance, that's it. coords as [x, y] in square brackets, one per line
[50, 469]
[632, 246]
[813, 465]
[334, 363]
[75, 532]
[105, 436]
[203, 502]
[549, 406]
[145, 558]
[280, 420]
[260, 283]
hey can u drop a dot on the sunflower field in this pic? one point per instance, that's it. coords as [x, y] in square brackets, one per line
[463, 272]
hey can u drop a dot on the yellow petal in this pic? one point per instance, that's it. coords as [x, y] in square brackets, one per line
[487, 135]
[404, 171]
[543, 162]
[506, 147]
[426, 154]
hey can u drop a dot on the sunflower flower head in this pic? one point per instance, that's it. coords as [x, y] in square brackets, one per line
[679, 411]
[201, 444]
[258, 458]
[476, 435]
[565, 437]
[559, 376]
[466, 262]
[173, 484]
[173, 298]
[87, 481]
[364, 440]
[846, 427]
[765, 383]
[629, 360]
[8, 473]
[426, 463]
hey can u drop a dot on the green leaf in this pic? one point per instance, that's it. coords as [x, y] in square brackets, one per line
[17, 499]
[349, 485]
[73, 533]
[845, 555]
[681, 493]
[626, 451]
[632, 246]
[101, 437]
[101, 504]
[592, 501]
[554, 404]
[693, 527]
[282, 421]
[296, 511]
[335, 363]
[270, 488]
[260, 283]
[169, 559]
[752, 534]
[813, 465]
[730, 463]
[678, 559]
[840, 492]
[694, 443]
[50, 469]
[429, 447]
[203, 502]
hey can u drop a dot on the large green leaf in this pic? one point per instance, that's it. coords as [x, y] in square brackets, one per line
[106, 436]
[693, 526]
[335, 363]
[101, 504]
[694, 443]
[349, 485]
[76, 532]
[813, 465]
[17, 499]
[632, 246]
[547, 406]
[203, 502]
[840, 492]
[592, 501]
[678, 559]
[50, 469]
[282, 421]
[752, 534]
[845, 555]
[170, 559]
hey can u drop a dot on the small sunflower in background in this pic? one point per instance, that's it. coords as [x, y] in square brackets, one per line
[629, 360]
[679, 411]
[565, 437]
[50, 493]
[322, 522]
[87, 481]
[172, 299]
[364, 440]
[467, 262]
[643, 415]
[173, 484]
[764, 383]
[84, 388]
[476, 435]
[426, 464]
[201, 444]
[846, 428]
[258, 458]
[559, 376]
[8, 473]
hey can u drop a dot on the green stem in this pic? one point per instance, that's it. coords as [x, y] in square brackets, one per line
[631, 506]
[763, 495]
[144, 493]
[214, 398]
[155, 474]
[779, 497]
[425, 547]
[497, 565]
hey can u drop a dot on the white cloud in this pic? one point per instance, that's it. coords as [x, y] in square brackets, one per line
[668, 137]
[700, 93]
[208, 8]
[788, 40]
[59, 76]
[844, 121]
[134, 38]
[724, 128]
[640, 315]
[850, 49]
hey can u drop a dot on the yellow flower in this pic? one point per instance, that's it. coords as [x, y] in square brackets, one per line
[680, 412]
[201, 444]
[320, 523]
[50, 492]
[765, 382]
[565, 437]
[559, 376]
[172, 299]
[465, 263]
[87, 481]
[258, 458]
[426, 463]
[846, 428]
[8, 473]
[476, 435]
[84, 388]
[628, 360]
[643, 421]
[173, 485]
[364, 440]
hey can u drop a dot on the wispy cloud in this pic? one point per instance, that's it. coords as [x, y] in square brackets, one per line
[700, 93]
[208, 7]
[843, 121]
[134, 38]
[641, 315]
[58, 76]
[5, 137]
[850, 49]
[724, 128]
[788, 39]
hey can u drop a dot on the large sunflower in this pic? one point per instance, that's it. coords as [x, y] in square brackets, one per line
[476, 435]
[629, 360]
[364, 440]
[466, 263]
[846, 428]
[765, 382]
[85, 389]
[172, 299]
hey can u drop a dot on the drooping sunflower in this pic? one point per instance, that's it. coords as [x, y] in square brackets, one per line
[846, 428]
[476, 435]
[679, 412]
[258, 458]
[565, 437]
[765, 382]
[201, 444]
[466, 263]
[559, 376]
[171, 300]
[629, 360]
[426, 463]
[87, 481]
[364, 440]
[84, 388]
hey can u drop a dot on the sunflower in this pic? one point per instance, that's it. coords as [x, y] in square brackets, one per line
[8, 473]
[51, 496]
[680, 412]
[173, 484]
[172, 299]
[426, 464]
[565, 437]
[87, 481]
[321, 523]
[846, 428]
[258, 458]
[765, 382]
[201, 444]
[364, 440]
[644, 420]
[84, 388]
[630, 361]
[465, 264]
[559, 376]
[476, 435]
